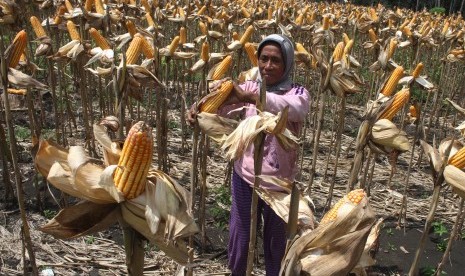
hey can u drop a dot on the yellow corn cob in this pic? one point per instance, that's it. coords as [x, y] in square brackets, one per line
[270, 13]
[250, 50]
[343, 206]
[88, 5]
[392, 82]
[445, 28]
[19, 44]
[212, 104]
[72, 30]
[392, 48]
[202, 10]
[338, 51]
[326, 23]
[99, 6]
[150, 21]
[299, 19]
[235, 36]
[400, 99]
[134, 49]
[69, 6]
[246, 35]
[348, 46]
[300, 48]
[132, 2]
[345, 38]
[61, 10]
[245, 12]
[404, 24]
[16, 91]
[37, 27]
[131, 28]
[205, 53]
[181, 12]
[373, 14]
[147, 49]
[134, 162]
[407, 31]
[22, 58]
[458, 159]
[413, 20]
[457, 52]
[99, 39]
[146, 6]
[222, 68]
[203, 28]
[182, 35]
[416, 73]
[413, 111]
[174, 44]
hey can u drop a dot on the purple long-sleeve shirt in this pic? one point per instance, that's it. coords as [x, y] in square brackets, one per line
[276, 161]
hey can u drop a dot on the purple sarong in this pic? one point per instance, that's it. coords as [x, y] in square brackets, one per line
[274, 230]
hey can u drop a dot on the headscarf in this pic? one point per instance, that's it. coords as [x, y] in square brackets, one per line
[287, 50]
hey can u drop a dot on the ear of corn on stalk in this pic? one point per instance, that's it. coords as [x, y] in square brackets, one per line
[88, 5]
[182, 35]
[400, 99]
[413, 111]
[37, 27]
[19, 44]
[131, 28]
[58, 18]
[202, 10]
[147, 49]
[392, 48]
[458, 159]
[205, 53]
[392, 82]
[338, 51]
[246, 35]
[348, 46]
[174, 45]
[250, 50]
[146, 6]
[134, 162]
[99, 6]
[212, 103]
[416, 73]
[69, 6]
[371, 34]
[345, 38]
[245, 12]
[344, 206]
[134, 49]
[203, 28]
[149, 19]
[99, 39]
[222, 68]
[325, 23]
[72, 30]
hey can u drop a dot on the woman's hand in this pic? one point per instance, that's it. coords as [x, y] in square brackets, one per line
[191, 115]
[239, 95]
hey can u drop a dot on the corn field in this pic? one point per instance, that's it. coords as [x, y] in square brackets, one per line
[95, 94]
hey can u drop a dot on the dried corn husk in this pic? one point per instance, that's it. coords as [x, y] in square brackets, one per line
[386, 134]
[456, 178]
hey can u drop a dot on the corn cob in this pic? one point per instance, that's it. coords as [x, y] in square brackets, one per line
[99, 7]
[416, 73]
[400, 99]
[38, 29]
[325, 23]
[202, 10]
[299, 19]
[348, 46]
[88, 5]
[147, 49]
[72, 30]
[222, 68]
[392, 48]
[134, 49]
[132, 2]
[235, 36]
[404, 24]
[69, 6]
[246, 35]
[134, 162]
[343, 206]
[250, 50]
[61, 10]
[19, 44]
[205, 53]
[338, 51]
[413, 111]
[131, 28]
[146, 6]
[245, 12]
[373, 14]
[99, 39]
[392, 82]
[406, 30]
[270, 13]
[182, 35]
[212, 104]
[181, 12]
[458, 159]
[174, 45]
[16, 91]
[150, 21]
[445, 28]
[457, 52]
[203, 28]
[345, 38]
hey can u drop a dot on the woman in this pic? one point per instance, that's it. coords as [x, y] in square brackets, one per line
[275, 63]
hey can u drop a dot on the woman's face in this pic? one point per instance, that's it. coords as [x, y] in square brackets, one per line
[271, 64]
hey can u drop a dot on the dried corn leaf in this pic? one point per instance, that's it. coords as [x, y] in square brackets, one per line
[49, 152]
[20, 79]
[82, 219]
[331, 249]
[456, 178]
[216, 127]
[111, 150]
